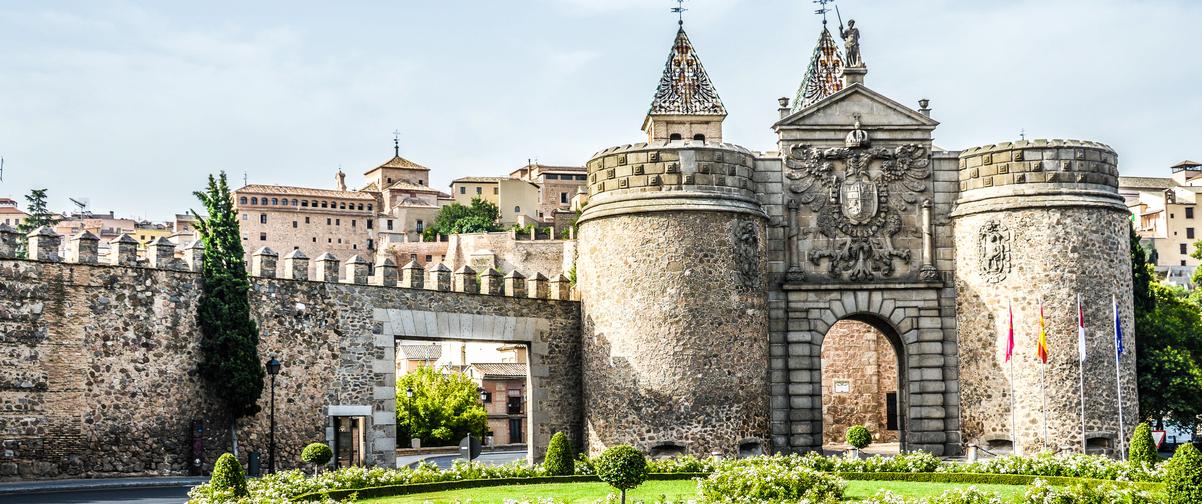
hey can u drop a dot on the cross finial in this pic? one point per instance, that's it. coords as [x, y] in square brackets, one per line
[1022, 134]
[396, 142]
[679, 10]
[822, 9]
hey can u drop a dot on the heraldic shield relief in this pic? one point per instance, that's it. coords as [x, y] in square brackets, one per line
[859, 193]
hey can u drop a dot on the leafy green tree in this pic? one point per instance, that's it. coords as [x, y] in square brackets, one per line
[859, 437]
[623, 467]
[229, 336]
[1183, 476]
[39, 215]
[479, 217]
[1168, 361]
[444, 408]
[1141, 276]
[317, 455]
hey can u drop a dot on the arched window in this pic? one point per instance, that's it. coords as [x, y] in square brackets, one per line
[699, 136]
[342, 206]
[675, 136]
[323, 204]
[304, 203]
[360, 206]
[293, 201]
[275, 201]
[242, 200]
[369, 207]
[517, 209]
[254, 201]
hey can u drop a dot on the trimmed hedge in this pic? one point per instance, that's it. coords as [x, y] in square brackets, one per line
[984, 479]
[228, 475]
[1183, 476]
[559, 460]
[1143, 447]
[859, 437]
[419, 488]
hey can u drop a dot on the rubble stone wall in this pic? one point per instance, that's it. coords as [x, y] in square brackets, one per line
[100, 365]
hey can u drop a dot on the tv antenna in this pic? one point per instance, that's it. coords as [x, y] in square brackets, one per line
[82, 204]
[1, 168]
[679, 11]
[823, 9]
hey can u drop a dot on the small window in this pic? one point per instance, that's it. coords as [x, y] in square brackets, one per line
[245, 217]
[675, 136]
[262, 236]
[314, 239]
[371, 244]
[496, 190]
[294, 224]
[329, 240]
[275, 201]
[324, 204]
[1184, 248]
[355, 246]
[342, 206]
[563, 197]
[479, 190]
[517, 209]
[352, 222]
[328, 221]
[420, 182]
[360, 207]
[421, 226]
[306, 220]
[294, 202]
[369, 207]
[1183, 262]
[429, 258]
[462, 190]
[254, 201]
[1189, 233]
[582, 177]
[1189, 212]
[552, 176]
[304, 203]
[263, 218]
[340, 241]
[389, 224]
[313, 204]
[337, 222]
[369, 224]
[699, 137]
[242, 200]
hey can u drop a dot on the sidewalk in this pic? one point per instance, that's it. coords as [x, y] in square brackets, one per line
[70, 485]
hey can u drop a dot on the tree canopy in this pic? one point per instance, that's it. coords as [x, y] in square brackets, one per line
[229, 336]
[39, 215]
[478, 217]
[445, 407]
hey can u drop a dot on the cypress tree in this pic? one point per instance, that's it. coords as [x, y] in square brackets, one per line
[229, 337]
[39, 215]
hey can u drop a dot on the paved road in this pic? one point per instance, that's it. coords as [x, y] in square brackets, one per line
[122, 496]
[493, 458]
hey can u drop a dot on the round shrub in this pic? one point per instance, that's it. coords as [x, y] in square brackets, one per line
[1183, 476]
[1143, 447]
[317, 454]
[228, 475]
[751, 480]
[858, 436]
[559, 460]
[623, 467]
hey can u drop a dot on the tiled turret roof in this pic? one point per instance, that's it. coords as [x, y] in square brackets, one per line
[685, 88]
[823, 76]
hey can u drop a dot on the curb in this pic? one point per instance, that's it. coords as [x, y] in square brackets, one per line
[57, 486]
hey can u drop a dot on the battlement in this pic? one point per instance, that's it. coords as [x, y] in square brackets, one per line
[671, 175]
[43, 246]
[1038, 172]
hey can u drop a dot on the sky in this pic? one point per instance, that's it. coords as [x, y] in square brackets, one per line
[130, 105]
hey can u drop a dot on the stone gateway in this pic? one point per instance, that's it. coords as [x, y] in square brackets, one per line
[707, 279]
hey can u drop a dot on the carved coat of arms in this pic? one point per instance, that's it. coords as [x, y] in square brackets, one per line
[993, 251]
[858, 192]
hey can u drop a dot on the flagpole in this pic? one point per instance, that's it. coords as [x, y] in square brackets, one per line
[1117, 380]
[1014, 447]
[1043, 374]
[1081, 367]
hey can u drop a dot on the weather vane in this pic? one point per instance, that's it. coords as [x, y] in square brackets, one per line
[679, 10]
[396, 142]
[823, 9]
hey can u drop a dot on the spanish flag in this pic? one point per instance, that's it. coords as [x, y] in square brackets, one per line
[1042, 349]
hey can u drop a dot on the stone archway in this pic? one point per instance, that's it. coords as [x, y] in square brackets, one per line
[919, 321]
[861, 384]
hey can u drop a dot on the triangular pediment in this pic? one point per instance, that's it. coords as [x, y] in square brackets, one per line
[875, 110]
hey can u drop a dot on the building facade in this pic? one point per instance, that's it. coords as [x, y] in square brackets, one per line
[1166, 216]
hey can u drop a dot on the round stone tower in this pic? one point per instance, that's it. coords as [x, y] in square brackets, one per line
[1041, 223]
[670, 270]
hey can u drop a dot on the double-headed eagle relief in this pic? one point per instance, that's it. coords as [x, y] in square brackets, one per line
[859, 193]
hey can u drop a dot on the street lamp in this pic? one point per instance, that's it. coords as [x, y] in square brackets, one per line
[409, 411]
[273, 368]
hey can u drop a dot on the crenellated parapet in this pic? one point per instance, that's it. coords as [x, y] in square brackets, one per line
[161, 254]
[1038, 173]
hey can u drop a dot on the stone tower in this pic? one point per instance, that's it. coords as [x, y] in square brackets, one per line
[1042, 220]
[670, 270]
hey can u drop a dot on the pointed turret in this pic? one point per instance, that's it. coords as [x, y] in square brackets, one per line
[824, 75]
[686, 105]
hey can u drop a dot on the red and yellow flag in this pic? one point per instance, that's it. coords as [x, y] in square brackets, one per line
[1042, 348]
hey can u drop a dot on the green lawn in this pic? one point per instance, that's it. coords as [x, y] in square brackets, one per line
[678, 490]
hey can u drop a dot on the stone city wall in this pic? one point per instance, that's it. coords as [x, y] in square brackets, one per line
[100, 361]
[1021, 244]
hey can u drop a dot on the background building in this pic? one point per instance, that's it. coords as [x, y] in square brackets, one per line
[517, 199]
[10, 214]
[1164, 211]
[557, 185]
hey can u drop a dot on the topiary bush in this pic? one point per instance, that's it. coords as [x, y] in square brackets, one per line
[559, 460]
[228, 475]
[859, 437]
[317, 454]
[1183, 476]
[1143, 447]
[623, 467]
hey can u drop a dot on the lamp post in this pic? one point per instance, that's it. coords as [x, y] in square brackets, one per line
[273, 368]
[409, 411]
